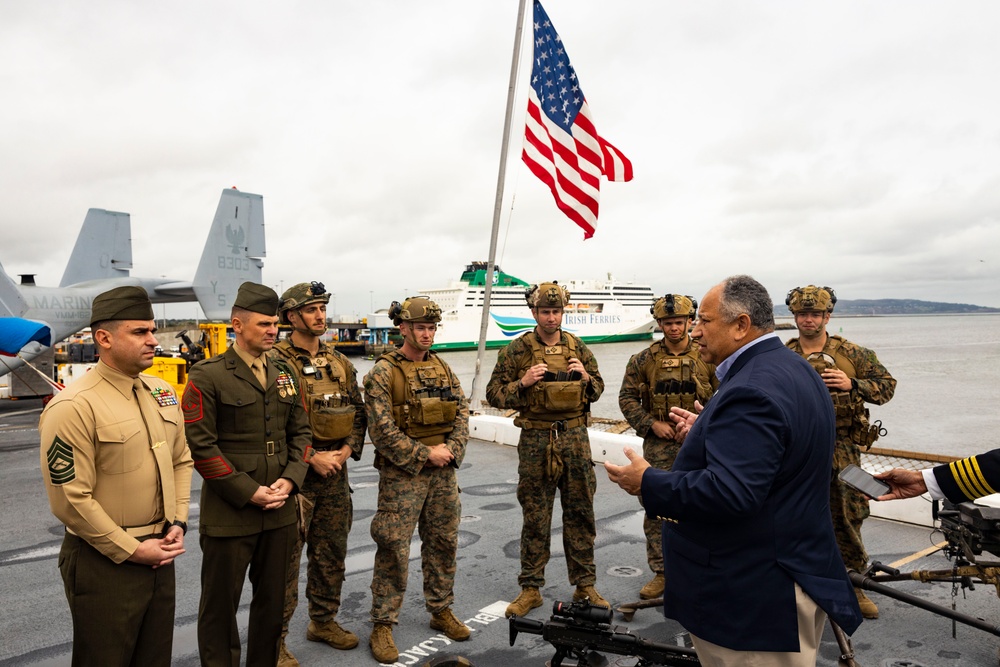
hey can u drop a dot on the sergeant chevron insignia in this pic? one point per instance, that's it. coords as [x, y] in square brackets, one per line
[59, 456]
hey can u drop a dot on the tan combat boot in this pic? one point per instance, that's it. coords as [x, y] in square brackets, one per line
[525, 602]
[446, 622]
[868, 608]
[331, 633]
[381, 644]
[285, 657]
[590, 594]
[653, 589]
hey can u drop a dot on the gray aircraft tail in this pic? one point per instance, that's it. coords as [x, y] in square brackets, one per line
[103, 248]
[233, 252]
[12, 304]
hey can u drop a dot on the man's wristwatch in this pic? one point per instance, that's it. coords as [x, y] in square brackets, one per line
[182, 524]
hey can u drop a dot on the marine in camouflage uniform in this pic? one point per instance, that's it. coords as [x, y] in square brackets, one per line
[551, 378]
[332, 398]
[855, 377]
[418, 419]
[669, 373]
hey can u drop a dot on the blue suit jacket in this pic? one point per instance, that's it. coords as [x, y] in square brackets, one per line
[748, 508]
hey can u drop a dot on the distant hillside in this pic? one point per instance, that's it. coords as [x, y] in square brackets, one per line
[896, 307]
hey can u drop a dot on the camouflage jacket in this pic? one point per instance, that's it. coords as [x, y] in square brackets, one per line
[390, 442]
[630, 394]
[503, 390]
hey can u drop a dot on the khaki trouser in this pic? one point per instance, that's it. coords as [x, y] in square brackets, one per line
[811, 622]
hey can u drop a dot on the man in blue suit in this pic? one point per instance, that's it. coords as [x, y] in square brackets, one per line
[748, 541]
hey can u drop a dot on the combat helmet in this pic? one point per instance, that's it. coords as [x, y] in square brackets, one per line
[811, 298]
[300, 295]
[414, 309]
[547, 295]
[674, 305]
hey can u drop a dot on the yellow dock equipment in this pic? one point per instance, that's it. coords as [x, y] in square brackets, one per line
[171, 369]
[215, 338]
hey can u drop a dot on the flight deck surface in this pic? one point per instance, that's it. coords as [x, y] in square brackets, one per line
[36, 630]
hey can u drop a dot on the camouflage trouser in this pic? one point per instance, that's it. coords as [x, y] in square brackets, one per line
[659, 453]
[537, 493]
[430, 502]
[848, 507]
[326, 515]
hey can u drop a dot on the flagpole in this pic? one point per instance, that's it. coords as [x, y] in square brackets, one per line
[477, 393]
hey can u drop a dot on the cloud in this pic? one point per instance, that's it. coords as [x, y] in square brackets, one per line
[852, 144]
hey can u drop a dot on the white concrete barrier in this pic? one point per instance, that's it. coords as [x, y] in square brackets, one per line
[604, 446]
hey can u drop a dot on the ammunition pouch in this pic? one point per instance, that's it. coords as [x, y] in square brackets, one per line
[845, 407]
[866, 433]
[330, 424]
[672, 394]
[644, 397]
[852, 420]
[432, 412]
[427, 419]
[561, 396]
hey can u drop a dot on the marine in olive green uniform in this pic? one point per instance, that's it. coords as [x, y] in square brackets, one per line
[669, 373]
[329, 386]
[118, 475]
[551, 378]
[854, 376]
[418, 419]
[248, 434]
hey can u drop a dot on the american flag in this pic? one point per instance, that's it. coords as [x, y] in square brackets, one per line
[561, 144]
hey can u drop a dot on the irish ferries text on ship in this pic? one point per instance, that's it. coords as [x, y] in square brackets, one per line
[600, 311]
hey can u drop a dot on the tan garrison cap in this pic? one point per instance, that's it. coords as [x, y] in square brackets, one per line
[129, 302]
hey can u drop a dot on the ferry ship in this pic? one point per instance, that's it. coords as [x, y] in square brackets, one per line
[599, 311]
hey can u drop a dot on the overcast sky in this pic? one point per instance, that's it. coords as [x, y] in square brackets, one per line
[852, 144]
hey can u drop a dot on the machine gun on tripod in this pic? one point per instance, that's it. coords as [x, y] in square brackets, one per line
[969, 530]
[581, 632]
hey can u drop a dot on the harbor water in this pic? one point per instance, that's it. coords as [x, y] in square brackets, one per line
[947, 370]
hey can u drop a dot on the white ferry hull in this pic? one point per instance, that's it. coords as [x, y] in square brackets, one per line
[600, 319]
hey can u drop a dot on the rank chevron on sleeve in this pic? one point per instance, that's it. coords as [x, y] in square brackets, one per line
[60, 461]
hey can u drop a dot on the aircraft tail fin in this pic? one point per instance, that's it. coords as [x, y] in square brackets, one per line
[103, 249]
[233, 252]
[12, 304]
